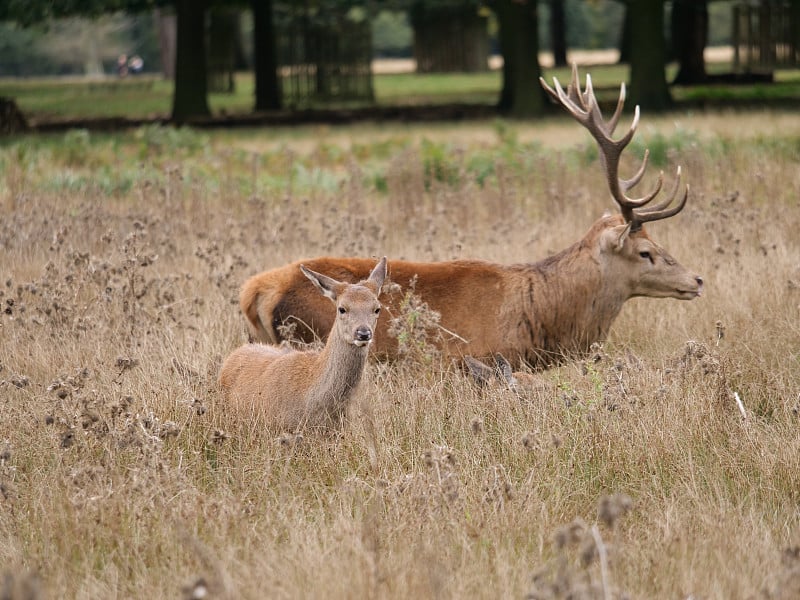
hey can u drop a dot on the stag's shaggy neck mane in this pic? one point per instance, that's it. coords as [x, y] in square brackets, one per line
[568, 303]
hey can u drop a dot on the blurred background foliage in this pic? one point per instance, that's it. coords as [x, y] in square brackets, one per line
[90, 46]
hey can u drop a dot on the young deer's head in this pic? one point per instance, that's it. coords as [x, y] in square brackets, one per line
[357, 306]
[625, 250]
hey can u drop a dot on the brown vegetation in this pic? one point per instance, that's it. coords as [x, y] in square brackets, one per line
[631, 471]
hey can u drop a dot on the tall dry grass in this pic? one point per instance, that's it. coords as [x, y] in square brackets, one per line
[628, 473]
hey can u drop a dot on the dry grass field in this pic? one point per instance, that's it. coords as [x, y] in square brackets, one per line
[630, 473]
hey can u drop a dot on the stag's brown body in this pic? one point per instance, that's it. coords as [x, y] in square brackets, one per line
[535, 313]
[291, 389]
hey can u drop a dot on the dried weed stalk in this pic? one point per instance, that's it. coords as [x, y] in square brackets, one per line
[416, 328]
[583, 565]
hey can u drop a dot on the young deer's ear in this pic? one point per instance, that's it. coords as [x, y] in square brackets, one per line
[377, 276]
[614, 238]
[329, 287]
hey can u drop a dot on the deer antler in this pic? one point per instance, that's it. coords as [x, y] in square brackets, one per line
[584, 109]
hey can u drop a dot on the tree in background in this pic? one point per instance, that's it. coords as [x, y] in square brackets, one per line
[689, 27]
[265, 59]
[558, 32]
[190, 98]
[392, 35]
[223, 33]
[78, 49]
[521, 96]
[166, 28]
[22, 56]
[648, 56]
[67, 46]
[449, 35]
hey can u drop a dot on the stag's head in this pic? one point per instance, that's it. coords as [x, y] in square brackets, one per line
[623, 244]
[357, 305]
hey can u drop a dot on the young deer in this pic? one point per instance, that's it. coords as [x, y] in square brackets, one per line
[291, 388]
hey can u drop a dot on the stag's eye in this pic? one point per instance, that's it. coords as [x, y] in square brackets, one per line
[646, 256]
[342, 310]
[378, 310]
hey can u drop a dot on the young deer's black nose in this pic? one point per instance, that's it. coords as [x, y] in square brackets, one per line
[363, 334]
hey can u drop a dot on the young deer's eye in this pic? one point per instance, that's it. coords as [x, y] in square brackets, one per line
[378, 310]
[646, 255]
[342, 310]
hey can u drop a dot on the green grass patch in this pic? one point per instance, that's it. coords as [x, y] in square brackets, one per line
[149, 97]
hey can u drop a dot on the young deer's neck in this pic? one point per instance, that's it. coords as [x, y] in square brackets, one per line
[340, 368]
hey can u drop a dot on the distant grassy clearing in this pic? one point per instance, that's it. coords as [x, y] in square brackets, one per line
[151, 97]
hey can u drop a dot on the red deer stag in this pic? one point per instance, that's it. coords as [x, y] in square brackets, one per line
[536, 313]
[293, 388]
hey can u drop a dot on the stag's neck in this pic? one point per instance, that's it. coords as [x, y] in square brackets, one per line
[571, 304]
[340, 369]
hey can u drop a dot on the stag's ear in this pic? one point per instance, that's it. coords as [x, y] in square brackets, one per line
[504, 368]
[326, 285]
[614, 237]
[376, 277]
[480, 371]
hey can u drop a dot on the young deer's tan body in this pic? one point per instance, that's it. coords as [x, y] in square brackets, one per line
[534, 313]
[290, 388]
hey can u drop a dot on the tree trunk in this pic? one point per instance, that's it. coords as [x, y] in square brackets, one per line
[166, 42]
[558, 32]
[265, 57]
[223, 26]
[521, 96]
[794, 19]
[625, 37]
[689, 38]
[190, 97]
[93, 66]
[449, 39]
[648, 87]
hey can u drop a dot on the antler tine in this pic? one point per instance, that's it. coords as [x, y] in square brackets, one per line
[612, 123]
[584, 108]
[630, 183]
[662, 210]
[584, 99]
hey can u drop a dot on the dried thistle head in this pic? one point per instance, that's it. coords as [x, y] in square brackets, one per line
[588, 551]
[219, 436]
[571, 533]
[290, 440]
[497, 488]
[528, 440]
[169, 429]
[439, 456]
[198, 407]
[476, 425]
[611, 508]
[5, 452]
